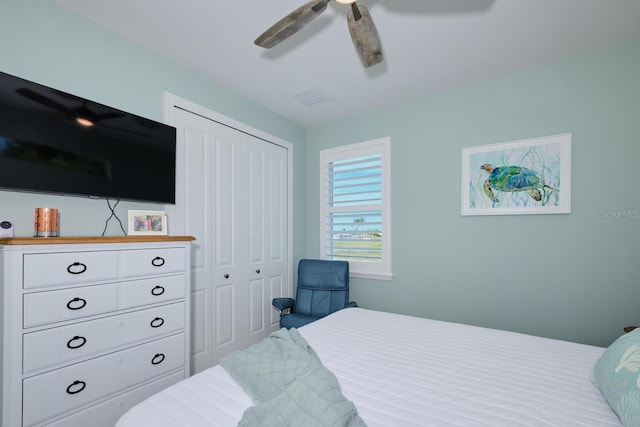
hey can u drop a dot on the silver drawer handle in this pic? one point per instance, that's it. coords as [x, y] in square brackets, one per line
[76, 387]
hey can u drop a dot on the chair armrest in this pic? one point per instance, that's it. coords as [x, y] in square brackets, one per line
[283, 304]
[351, 304]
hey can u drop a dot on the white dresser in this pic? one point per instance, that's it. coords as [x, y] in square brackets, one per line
[91, 326]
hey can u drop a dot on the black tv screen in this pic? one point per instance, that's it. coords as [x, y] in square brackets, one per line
[55, 142]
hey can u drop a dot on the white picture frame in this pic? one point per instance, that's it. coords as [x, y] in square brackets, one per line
[147, 223]
[508, 178]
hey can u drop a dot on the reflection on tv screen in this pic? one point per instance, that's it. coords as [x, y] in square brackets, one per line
[48, 155]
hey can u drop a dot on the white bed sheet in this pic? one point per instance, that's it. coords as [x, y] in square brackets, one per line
[414, 372]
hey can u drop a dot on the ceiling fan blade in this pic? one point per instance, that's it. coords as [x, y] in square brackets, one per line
[364, 35]
[291, 23]
[43, 100]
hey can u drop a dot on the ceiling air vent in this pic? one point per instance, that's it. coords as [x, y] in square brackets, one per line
[312, 96]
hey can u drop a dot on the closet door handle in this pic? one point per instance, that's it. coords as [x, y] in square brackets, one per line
[76, 303]
[258, 270]
[226, 276]
[76, 342]
[76, 268]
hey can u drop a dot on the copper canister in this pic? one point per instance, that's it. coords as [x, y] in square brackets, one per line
[46, 223]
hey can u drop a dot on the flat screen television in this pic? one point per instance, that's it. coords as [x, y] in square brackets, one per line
[55, 142]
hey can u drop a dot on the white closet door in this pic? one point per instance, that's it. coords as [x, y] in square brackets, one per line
[232, 195]
[209, 204]
[265, 193]
[225, 224]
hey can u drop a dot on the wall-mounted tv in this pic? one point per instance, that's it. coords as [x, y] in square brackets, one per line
[55, 142]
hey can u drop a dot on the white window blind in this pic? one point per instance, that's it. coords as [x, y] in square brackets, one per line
[355, 214]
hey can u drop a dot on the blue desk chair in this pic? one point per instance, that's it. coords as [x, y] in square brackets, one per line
[323, 288]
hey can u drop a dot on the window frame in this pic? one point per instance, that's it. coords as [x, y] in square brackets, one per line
[382, 146]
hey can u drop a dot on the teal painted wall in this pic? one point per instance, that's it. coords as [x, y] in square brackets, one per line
[42, 42]
[574, 276]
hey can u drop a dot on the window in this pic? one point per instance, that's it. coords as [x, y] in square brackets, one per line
[355, 196]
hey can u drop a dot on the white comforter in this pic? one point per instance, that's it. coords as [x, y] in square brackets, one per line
[407, 371]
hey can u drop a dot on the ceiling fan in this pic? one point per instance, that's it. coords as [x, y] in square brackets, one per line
[361, 27]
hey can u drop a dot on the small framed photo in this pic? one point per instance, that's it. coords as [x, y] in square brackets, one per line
[147, 223]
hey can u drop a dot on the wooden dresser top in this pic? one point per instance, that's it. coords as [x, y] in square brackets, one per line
[91, 239]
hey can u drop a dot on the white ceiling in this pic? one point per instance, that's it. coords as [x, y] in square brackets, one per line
[428, 45]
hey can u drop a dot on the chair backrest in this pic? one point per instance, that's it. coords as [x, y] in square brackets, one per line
[323, 287]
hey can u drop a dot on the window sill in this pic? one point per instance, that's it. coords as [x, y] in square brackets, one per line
[374, 276]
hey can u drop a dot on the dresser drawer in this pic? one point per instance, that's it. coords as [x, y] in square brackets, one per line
[69, 267]
[54, 306]
[53, 347]
[152, 291]
[106, 414]
[145, 262]
[59, 391]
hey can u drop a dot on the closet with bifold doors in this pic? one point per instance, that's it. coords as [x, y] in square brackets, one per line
[233, 194]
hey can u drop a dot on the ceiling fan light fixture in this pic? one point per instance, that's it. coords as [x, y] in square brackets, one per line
[346, 1]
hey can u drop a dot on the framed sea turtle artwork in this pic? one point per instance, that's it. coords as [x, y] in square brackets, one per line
[529, 176]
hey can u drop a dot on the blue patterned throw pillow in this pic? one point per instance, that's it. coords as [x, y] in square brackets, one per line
[617, 375]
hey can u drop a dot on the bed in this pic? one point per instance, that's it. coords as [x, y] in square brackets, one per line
[408, 371]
